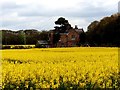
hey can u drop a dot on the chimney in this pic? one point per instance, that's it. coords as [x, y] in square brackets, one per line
[76, 27]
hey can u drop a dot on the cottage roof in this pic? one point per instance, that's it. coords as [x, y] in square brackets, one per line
[76, 30]
[66, 32]
[79, 30]
[42, 42]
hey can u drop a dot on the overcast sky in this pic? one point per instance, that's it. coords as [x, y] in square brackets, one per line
[41, 14]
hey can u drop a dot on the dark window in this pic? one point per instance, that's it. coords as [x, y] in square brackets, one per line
[73, 37]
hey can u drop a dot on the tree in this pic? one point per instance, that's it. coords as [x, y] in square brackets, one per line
[61, 21]
[63, 27]
[106, 32]
[64, 24]
[56, 37]
[44, 35]
[82, 38]
[22, 37]
[92, 26]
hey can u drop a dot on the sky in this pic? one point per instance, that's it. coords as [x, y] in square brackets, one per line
[41, 14]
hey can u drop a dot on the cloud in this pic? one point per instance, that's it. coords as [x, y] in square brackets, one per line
[41, 14]
[10, 5]
[81, 9]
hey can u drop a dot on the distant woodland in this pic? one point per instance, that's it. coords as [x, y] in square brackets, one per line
[105, 32]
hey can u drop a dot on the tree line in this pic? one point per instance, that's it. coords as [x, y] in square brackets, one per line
[23, 37]
[105, 32]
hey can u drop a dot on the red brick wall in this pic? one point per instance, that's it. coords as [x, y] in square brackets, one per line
[73, 42]
[66, 39]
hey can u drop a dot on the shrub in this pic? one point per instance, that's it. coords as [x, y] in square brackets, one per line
[40, 46]
[17, 47]
[6, 47]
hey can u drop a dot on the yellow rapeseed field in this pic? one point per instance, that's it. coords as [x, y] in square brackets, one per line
[62, 68]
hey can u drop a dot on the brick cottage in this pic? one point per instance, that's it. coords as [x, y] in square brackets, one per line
[67, 38]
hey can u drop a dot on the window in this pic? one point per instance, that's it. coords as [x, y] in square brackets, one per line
[73, 37]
